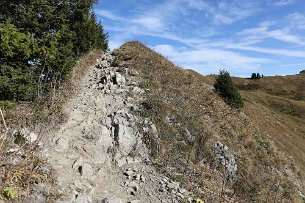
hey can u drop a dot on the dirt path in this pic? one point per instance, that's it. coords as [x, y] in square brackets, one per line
[98, 154]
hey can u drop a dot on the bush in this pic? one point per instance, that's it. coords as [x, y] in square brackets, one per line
[226, 89]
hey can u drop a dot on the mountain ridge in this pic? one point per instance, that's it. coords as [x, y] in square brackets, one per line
[188, 95]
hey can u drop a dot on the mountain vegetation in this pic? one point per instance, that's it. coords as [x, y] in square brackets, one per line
[40, 41]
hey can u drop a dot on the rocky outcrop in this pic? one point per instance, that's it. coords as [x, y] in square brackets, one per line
[226, 158]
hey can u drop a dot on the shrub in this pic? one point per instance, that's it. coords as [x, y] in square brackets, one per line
[226, 89]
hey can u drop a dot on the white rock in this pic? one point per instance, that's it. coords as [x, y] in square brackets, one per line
[119, 161]
[137, 177]
[134, 186]
[136, 90]
[173, 185]
[61, 145]
[154, 129]
[105, 141]
[30, 137]
[226, 157]
[88, 172]
[120, 79]
[180, 195]
[128, 172]
[134, 201]
[182, 190]
[77, 164]
[83, 198]
[142, 178]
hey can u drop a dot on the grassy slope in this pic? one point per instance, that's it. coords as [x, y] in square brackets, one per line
[184, 96]
[278, 105]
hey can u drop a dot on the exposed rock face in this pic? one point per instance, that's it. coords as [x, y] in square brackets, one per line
[100, 143]
[226, 158]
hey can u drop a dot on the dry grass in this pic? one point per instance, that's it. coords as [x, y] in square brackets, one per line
[278, 106]
[186, 98]
[21, 168]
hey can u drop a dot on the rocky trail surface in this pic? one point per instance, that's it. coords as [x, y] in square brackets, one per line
[98, 154]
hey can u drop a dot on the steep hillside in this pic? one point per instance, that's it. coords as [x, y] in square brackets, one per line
[277, 104]
[192, 126]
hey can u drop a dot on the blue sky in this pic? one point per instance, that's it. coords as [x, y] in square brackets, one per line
[241, 36]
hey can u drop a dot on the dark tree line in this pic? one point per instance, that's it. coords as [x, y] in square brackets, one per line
[256, 76]
[40, 41]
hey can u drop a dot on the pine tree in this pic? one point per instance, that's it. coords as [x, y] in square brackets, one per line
[258, 76]
[226, 89]
[40, 42]
[17, 75]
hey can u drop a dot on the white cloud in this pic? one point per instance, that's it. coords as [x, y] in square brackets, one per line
[149, 22]
[108, 15]
[165, 49]
[197, 4]
[283, 2]
[228, 12]
[207, 60]
[134, 30]
[297, 20]
[264, 31]
[293, 65]
[281, 52]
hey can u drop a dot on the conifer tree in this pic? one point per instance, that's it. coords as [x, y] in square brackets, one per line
[226, 89]
[40, 42]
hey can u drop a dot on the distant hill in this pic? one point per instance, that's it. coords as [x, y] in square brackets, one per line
[277, 104]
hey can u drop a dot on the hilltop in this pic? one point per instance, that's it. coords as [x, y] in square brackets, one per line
[191, 119]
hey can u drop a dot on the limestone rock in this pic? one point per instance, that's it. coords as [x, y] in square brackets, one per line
[61, 145]
[120, 80]
[83, 198]
[30, 137]
[226, 158]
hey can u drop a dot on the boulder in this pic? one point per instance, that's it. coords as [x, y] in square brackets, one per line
[226, 158]
[119, 79]
[30, 137]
